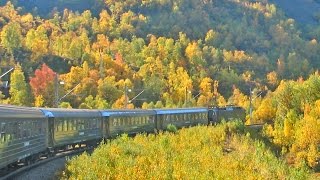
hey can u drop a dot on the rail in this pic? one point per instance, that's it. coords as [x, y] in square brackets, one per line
[15, 172]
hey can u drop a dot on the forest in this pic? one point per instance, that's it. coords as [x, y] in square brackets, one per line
[182, 53]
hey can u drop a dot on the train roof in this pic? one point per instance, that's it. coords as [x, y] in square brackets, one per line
[59, 112]
[9, 111]
[181, 110]
[127, 112]
[227, 108]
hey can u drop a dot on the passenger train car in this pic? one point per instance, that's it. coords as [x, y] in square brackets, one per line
[27, 133]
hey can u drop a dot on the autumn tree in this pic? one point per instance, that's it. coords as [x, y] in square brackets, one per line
[11, 37]
[18, 88]
[43, 86]
[179, 83]
[37, 41]
[206, 91]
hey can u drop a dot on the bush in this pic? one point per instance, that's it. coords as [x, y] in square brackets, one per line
[201, 152]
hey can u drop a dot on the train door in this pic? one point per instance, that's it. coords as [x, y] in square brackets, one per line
[106, 127]
[159, 121]
[214, 115]
[51, 130]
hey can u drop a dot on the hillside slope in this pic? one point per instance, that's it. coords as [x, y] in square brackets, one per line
[303, 11]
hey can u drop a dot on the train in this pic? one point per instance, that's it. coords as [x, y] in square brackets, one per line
[28, 133]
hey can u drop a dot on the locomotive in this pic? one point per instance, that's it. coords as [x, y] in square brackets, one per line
[29, 133]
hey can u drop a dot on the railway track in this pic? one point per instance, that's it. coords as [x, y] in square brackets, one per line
[15, 172]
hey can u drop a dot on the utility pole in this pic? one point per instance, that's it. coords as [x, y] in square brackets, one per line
[125, 96]
[250, 107]
[185, 97]
[215, 91]
[56, 91]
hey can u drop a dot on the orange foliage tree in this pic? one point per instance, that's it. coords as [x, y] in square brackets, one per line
[42, 84]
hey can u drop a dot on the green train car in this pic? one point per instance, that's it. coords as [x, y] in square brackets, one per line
[127, 121]
[23, 134]
[228, 113]
[72, 126]
[181, 117]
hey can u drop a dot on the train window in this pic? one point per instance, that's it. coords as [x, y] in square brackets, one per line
[35, 129]
[95, 123]
[151, 120]
[77, 124]
[74, 124]
[2, 137]
[113, 122]
[27, 127]
[168, 117]
[146, 119]
[124, 121]
[127, 120]
[65, 125]
[56, 124]
[117, 121]
[70, 128]
[59, 126]
[92, 124]
[89, 124]
[2, 132]
[83, 125]
[133, 121]
[86, 124]
[120, 121]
